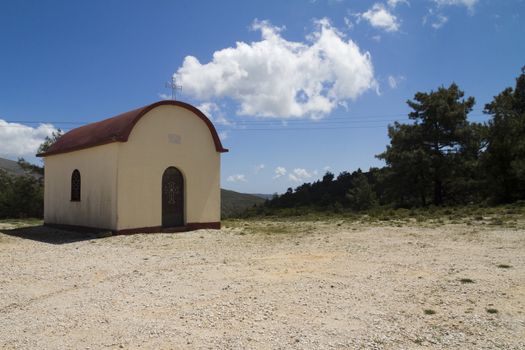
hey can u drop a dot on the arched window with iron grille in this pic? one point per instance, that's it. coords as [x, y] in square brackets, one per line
[75, 186]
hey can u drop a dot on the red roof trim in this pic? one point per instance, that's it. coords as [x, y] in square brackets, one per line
[117, 129]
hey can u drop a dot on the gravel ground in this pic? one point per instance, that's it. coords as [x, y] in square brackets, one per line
[265, 285]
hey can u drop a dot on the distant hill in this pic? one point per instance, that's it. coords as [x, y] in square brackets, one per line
[233, 203]
[263, 196]
[11, 167]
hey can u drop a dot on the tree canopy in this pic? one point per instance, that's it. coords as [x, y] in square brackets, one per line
[504, 159]
[438, 158]
[50, 140]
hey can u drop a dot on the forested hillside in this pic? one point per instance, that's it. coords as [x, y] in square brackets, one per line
[439, 158]
[233, 203]
[21, 189]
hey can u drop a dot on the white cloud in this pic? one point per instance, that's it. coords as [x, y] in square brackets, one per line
[223, 135]
[439, 21]
[393, 81]
[348, 23]
[327, 168]
[214, 113]
[469, 4]
[279, 172]
[435, 18]
[275, 77]
[299, 175]
[20, 140]
[380, 17]
[208, 108]
[237, 178]
[257, 169]
[394, 3]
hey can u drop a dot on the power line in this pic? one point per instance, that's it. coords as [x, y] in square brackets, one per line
[321, 122]
[43, 122]
[282, 121]
[267, 121]
[312, 129]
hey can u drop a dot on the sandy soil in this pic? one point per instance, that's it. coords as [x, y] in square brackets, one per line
[265, 285]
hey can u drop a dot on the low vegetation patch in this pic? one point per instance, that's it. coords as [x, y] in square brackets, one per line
[466, 280]
[18, 223]
[510, 216]
[267, 227]
[429, 312]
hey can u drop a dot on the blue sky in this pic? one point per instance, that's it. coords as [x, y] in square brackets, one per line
[294, 87]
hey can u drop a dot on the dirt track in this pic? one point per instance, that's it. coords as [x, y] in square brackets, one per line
[310, 285]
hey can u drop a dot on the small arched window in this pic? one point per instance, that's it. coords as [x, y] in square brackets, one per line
[75, 186]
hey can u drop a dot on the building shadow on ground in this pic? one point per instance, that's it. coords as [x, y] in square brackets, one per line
[52, 235]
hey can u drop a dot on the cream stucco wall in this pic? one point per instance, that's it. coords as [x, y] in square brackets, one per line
[98, 171]
[167, 136]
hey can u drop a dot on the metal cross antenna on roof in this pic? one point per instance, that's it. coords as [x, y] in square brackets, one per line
[174, 87]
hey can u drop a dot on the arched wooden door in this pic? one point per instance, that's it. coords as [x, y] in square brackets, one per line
[172, 198]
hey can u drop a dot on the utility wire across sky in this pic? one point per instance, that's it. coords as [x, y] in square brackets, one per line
[283, 123]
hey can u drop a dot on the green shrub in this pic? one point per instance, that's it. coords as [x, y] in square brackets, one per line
[21, 196]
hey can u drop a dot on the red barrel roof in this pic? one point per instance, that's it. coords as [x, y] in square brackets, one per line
[117, 129]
